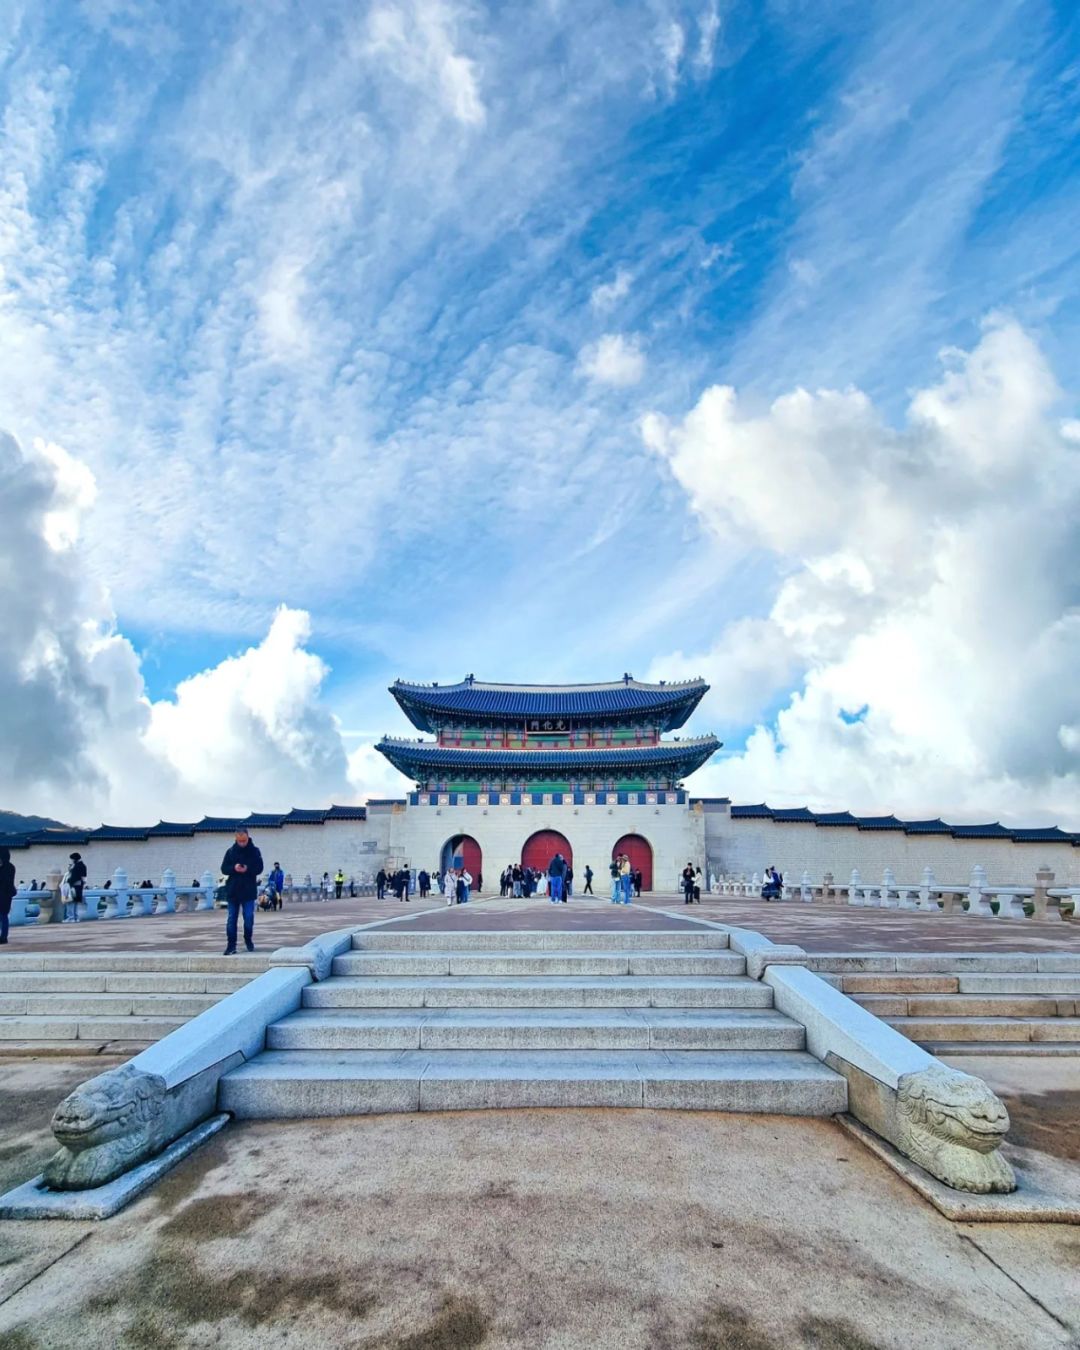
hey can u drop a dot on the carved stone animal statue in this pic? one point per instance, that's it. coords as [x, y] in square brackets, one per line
[107, 1126]
[951, 1124]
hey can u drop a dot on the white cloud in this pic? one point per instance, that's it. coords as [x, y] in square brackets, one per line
[671, 41]
[417, 40]
[708, 32]
[615, 360]
[931, 579]
[609, 293]
[83, 742]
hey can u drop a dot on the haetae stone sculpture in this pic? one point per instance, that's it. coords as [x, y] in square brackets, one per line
[107, 1126]
[952, 1124]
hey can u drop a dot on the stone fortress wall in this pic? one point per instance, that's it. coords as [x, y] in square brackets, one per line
[744, 846]
[703, 831]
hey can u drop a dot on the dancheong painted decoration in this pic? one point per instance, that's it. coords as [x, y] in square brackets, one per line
[575, 738]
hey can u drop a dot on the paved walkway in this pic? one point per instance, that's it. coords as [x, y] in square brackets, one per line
[817, 928]
[575, 1230]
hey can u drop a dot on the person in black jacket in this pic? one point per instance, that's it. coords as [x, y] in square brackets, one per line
[241, 866]
[76, 879]
[7, 891]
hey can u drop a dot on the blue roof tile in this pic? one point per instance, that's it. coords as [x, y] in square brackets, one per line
[426, 706]
[793, 813]
[879, 823]
[759, 812]
[347, 813]
[926, 827]
[417, 758]
[58, 837]
[1047, 834]
[300, 816]
[835, 818]
[993, 831]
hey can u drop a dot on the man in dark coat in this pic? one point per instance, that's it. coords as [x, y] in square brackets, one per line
[241, 866]
[556, 874]
[380, 883]
[7, 891]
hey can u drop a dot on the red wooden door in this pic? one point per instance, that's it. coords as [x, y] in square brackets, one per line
[465, 847]
[639, 851]
[541, 847]
[469, 850]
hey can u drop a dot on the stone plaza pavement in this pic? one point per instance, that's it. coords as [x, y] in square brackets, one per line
[503, 1230]
[816, 928]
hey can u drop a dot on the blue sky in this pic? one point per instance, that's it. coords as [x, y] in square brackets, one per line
[362, 309]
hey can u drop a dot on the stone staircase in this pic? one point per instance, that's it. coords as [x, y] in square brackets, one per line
[993, 1004]
[454, 1021]
[93, 1003]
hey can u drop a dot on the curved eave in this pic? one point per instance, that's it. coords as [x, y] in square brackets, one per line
[417, 760]
[429, 706]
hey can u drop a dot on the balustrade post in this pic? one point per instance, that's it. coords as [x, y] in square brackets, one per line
[206, 900]
[827, 895]
[1044, 903]
[977, 901]
[166, 904]
[927, 901]
[51, 910]
[854, 892]
[807, 893]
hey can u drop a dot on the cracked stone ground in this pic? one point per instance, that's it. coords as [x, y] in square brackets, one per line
[531, 1228]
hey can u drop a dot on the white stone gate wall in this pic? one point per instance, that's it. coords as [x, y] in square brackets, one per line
[675, 832]
[749, 845]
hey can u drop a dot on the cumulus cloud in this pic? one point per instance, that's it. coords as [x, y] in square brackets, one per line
[83, 742]
[614, 360]
[929, 592]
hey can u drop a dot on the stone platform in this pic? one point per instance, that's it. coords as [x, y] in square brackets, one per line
[431, 1021]
[816, 928]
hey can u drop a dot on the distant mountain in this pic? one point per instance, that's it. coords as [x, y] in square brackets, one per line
[13, 823]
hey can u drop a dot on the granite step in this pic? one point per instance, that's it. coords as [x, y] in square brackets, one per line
[536, 1029]
[542, 963]
[106, 1005]
[284, 1084]
[110, 982]
[987, 1029]
[1064, 984]
[966, 1005]
[54, 1027]
[478, 991]
[707, 939]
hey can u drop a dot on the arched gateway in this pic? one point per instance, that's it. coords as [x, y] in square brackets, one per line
[638, 849]
[541, 847]
[465, 847]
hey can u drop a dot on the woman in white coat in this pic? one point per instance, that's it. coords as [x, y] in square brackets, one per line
[450, 885]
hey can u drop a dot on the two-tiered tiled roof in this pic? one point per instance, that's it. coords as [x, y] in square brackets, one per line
[665, 705]
[669, 759]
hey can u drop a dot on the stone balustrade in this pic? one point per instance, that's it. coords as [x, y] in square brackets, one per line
[121, 900]
[1041, 901]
